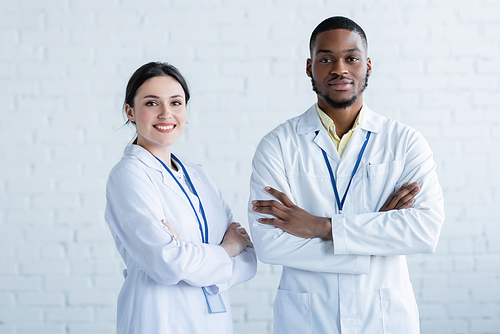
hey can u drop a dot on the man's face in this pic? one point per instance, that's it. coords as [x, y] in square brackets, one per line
[339, 68]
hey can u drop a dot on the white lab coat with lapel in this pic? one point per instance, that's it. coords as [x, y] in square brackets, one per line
[358, 283]
[162, 289]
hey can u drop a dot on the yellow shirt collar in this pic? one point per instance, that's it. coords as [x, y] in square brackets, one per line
[340, 143]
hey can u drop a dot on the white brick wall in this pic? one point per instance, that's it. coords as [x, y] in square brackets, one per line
[63, 70]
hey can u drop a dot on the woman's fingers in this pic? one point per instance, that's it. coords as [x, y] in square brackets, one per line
[170, 229]
[234, 225]
[235, 240]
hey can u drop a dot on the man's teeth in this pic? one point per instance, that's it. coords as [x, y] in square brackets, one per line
[161, 127]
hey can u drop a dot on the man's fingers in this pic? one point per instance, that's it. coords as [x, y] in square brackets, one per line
[406, 205]
[280, 196]
[270, 207]
[270, 202]
[402, 198]
[270, 221]
[408, 196]
[271, 210]
[391, 202]
[403, 195]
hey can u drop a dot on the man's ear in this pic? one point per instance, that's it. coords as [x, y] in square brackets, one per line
[130, 113]
[309, 67]
[369, 66]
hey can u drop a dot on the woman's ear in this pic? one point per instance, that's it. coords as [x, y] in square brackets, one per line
[130, 113]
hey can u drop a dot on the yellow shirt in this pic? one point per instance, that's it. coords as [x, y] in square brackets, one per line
[340, 143]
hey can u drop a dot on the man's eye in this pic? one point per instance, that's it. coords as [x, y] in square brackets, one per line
[324, 60]
[352, 59]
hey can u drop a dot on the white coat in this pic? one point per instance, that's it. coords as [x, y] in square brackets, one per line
[359, 283]
[162, 289]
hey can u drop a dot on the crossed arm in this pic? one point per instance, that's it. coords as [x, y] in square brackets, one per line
[296, 221]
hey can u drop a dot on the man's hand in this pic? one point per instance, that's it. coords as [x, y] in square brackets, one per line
[292, 219]
[401, 198]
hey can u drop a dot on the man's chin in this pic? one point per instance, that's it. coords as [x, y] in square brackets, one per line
[340, 104]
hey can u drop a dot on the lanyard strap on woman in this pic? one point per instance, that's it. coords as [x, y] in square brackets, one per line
[340, 203]
[204, 236]
[215, 303]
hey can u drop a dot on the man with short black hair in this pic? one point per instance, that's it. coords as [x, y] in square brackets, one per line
[317, 208]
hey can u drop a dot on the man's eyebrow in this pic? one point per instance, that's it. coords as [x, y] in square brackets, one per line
[343, 51]
[351, 50]
[323, 51]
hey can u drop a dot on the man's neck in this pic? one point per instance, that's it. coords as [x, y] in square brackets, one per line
[343, 118]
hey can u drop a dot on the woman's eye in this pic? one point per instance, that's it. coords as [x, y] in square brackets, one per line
[176, 103]
[151, 103]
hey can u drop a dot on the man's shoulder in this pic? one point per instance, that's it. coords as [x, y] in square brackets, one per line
[291, 125]
[385, 124]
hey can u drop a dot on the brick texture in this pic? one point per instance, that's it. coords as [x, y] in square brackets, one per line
[64, 65]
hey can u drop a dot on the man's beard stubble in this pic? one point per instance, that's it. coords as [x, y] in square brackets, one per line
[339, 104]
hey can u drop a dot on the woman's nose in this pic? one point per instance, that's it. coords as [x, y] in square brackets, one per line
[164, 112]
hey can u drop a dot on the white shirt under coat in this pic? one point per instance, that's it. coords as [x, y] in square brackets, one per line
[359, 283]
[162, 289]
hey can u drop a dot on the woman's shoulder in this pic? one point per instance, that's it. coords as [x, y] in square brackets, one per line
[135, 158]
[131, 166]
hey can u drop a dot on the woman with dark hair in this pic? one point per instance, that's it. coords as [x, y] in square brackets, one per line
[169, 221]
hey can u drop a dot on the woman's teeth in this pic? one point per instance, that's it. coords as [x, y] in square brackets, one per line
[161, 127]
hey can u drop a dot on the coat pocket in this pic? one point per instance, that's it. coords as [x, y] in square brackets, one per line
[379, 182]
[399, 310]
[292, 313]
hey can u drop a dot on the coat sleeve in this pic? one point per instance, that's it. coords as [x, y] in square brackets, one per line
[244, 265]
[398, 232]
[274, 246]
[134, 213]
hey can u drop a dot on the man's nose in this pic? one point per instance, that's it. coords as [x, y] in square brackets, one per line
[339, 68]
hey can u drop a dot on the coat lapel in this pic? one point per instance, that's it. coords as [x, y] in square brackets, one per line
[149, 160]
[369, 122]
[310, 124]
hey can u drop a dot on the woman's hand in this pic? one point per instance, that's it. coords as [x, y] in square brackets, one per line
[235, 240]
[401, 198]
[170, 229]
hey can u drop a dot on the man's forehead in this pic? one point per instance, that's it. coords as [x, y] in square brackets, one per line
[339, 38]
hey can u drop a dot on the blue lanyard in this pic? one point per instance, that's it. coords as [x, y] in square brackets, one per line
[215, 303]
[340, 204]
[204, 236]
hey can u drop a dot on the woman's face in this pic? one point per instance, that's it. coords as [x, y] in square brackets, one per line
[159, 114]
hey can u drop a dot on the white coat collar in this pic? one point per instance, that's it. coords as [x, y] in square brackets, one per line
[150, 160]
[310, 121]
[144, 156]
